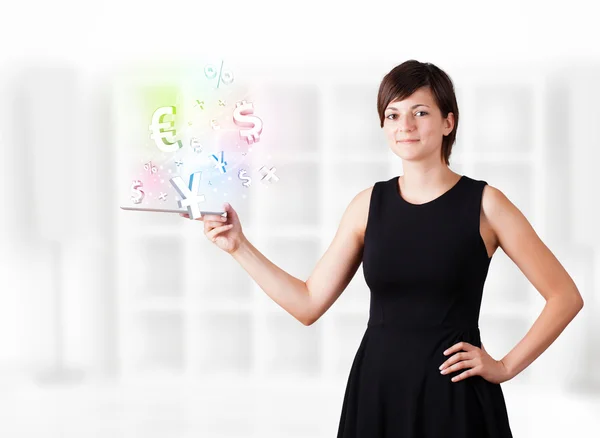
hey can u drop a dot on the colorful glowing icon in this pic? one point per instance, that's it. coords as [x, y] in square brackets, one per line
[246, 179]
[149, 167]
[269, 174]
[163, 132]
[190, 198]
[138, 193]
[224, 76]
[196, 145]
[220, 164]
[243, 115]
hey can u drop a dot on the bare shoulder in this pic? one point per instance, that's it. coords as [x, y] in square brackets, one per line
[493, 202]
[501, 217]
[359, 210]
[521, 243]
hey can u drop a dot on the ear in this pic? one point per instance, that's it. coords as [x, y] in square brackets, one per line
[450, 122]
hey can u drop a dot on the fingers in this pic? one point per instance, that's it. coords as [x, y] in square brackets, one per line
[459, 366]
[187, 216]
[212, 235]
[464, 375]
[209, 225]
[215, 222]
[215, 218]
[460, 346]
[456, 358]
[228, 209]
[211, 217]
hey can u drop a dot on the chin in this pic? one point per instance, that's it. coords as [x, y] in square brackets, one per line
[407, 150]
[409, 155]
[404, 156]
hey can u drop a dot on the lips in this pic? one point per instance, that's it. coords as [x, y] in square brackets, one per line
[407, 141]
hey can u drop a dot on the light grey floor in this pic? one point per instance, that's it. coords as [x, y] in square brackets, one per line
[158, 411]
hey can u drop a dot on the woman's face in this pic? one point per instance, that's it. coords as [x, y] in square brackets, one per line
[416, 118]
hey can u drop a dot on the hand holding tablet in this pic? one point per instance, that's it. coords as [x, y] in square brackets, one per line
[224, 231]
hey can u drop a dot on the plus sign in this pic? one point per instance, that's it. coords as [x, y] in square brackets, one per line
[270, 174]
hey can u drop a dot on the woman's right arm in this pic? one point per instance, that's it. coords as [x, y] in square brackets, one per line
[286, 290]
[308, 301]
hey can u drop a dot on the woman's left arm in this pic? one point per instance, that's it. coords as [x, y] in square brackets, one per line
[520, 242]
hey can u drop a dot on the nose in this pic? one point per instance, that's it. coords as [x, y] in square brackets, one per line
[405, 124]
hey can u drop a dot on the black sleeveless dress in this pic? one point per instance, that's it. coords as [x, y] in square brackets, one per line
[425, 265]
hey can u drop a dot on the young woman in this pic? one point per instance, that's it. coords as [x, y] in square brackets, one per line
[426, 240]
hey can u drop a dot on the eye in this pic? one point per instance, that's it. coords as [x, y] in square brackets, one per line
[390, 115]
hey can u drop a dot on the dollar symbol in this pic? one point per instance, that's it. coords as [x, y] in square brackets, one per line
[241, 118]
[196, 145]
[138, 194]
[247, 180]
[163, 132]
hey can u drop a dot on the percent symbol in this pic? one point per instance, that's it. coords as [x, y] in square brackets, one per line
[225, 76]
[149, 167]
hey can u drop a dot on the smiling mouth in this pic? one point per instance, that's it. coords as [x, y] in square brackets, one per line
[407, 141]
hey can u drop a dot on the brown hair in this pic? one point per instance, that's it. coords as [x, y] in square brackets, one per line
[404, 79]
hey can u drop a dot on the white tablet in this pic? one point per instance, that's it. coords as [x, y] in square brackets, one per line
[169, 210]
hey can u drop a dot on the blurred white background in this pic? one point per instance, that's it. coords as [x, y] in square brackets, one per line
[201, 351]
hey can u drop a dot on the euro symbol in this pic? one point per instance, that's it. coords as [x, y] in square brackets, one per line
[163, 132]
